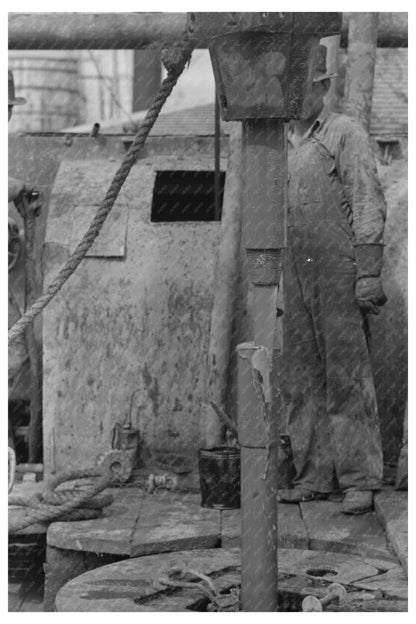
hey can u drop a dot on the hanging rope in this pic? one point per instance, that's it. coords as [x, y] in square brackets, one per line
[174, 60]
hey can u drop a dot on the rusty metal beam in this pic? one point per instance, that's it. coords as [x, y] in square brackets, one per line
[392, 30]
[359, 79]
[77, 31]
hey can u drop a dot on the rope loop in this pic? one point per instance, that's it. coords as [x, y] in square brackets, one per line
[65, 505]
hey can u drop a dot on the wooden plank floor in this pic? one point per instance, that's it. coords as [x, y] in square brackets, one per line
[138, 524]
[138, 584]
[391, 508]
[329, 529]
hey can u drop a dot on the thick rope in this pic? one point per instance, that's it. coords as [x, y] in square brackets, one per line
[63, 477]
[180, 577]
[70, 510]
[175, 67]
[59, 498]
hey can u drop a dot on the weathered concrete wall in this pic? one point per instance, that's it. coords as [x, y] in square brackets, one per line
[134, 317]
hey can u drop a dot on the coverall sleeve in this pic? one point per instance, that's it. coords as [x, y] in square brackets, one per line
[356, 167]
[14, 188]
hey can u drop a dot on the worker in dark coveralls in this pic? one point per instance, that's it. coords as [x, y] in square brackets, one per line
[17, 356]
[336, 215]
[15, 187]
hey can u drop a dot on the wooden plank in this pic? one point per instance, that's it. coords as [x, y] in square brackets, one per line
[135, 584]
[230, 528]
[391, 508]
[294, 589]
[111, 534]
[62, 566]
[329, 529]
[390, 584]
[172, 521]
[291, 529]
[364, 603]
[391, 505]
[329, 566]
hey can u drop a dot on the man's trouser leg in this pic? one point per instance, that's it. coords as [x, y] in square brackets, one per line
[351, 397]
[304, 391]
[327, 283]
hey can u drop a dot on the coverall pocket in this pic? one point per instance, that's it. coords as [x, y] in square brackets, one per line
[340, 240]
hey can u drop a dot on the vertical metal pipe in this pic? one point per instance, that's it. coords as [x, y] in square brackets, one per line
[225, 280]
[332, 45]
[147, 76]
[264, 237]
[359, 79]
[265, 169]
[258, 442]
[217, 171]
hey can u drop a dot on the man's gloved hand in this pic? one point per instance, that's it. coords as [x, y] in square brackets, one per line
[369, 294]
[36, 201]
[14, 243]
[368, 287]
[17, 188]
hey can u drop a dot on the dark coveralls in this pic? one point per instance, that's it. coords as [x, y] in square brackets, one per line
[335, 201]
[18, 362]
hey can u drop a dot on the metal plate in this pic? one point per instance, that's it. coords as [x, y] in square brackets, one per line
[111, 241]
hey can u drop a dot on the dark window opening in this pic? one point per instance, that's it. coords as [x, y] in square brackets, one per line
[186, 196]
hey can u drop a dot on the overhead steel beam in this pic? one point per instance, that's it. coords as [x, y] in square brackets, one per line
[79, 31]
[94, 31]
[391, 33]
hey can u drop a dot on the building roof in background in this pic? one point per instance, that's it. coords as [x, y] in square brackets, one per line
[195, 121]
[389, 111]
[390, 94]
[199, 120]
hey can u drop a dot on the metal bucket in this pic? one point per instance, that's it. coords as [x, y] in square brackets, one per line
[219, 477]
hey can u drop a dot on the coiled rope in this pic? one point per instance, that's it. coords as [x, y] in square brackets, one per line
[65, 505]
[174, 60]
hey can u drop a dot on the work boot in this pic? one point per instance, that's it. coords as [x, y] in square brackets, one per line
[299, 495]
[357, 502]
